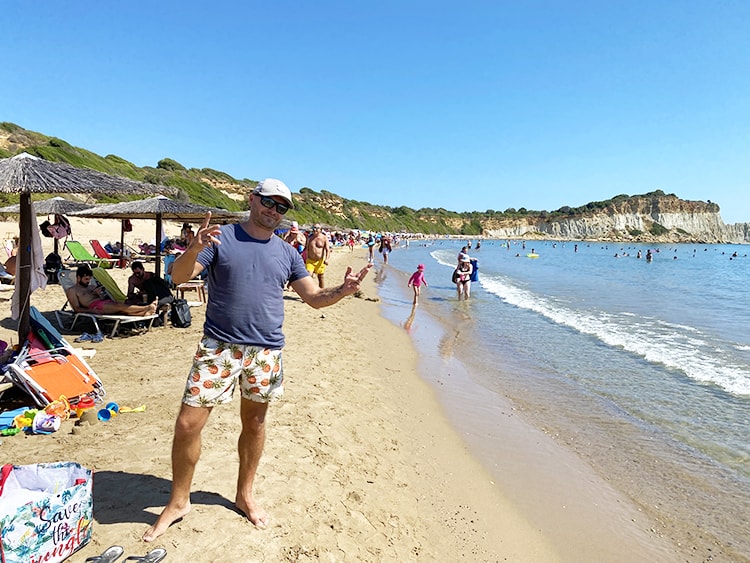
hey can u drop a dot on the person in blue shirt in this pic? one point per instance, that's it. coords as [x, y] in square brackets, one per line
[248, 268]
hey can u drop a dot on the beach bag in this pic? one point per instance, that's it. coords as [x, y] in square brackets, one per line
[475, 271]
[45, 228]
[180, 314]
[60, 228]
[46, 511]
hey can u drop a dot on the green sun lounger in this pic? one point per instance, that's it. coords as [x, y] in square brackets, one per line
[68, 278]
[82, 256]
[113, 290]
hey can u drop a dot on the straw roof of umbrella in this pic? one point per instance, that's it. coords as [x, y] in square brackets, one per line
[58, 205]
[152, 207]
[25, 174]
[158, 208]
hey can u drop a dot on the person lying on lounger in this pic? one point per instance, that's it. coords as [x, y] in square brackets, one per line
[86, 299]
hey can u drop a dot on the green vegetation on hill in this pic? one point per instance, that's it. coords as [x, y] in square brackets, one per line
[168, 172]
[210, 187]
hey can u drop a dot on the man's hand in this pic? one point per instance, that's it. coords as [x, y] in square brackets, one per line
[352, 281]
[207, 234]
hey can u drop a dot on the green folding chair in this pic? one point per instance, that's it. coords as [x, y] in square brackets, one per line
[82, 256]
[113, 290]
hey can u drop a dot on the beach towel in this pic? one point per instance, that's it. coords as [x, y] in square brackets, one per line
[38, 275]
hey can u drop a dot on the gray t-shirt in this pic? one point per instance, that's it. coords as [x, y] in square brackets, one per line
[246, 280]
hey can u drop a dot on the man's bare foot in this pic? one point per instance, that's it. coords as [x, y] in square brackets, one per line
[167, 517]
[253, 512]
[152, 307]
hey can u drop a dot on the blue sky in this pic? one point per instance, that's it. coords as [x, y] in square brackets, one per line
[470, 105]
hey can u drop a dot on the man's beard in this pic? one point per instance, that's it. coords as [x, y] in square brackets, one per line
[265, 221]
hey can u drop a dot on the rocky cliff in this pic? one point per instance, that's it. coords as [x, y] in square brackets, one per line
[639, 219]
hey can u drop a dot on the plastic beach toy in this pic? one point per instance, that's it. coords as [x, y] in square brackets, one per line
[25, 419]
[142, 408]
[59, 408]
[45, 423]
[83, 404]
[114, 407]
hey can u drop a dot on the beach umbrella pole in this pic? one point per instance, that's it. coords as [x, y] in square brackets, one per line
[159, 236]
[23, 267]
[121, 263]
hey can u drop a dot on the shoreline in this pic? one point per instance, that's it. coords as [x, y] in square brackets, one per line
[456, 354]
[582, 516]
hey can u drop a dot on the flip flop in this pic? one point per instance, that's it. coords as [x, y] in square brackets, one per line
[151, 557]
[111, 554]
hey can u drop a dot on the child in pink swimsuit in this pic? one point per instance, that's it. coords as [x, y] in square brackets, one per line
[416, 280]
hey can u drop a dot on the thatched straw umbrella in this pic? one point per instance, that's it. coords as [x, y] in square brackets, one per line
[25, 174]
[158, 208]
[51, 206]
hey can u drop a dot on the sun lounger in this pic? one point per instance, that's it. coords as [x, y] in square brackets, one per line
[136, 254]
[67, 279]
[5, 276]
[82, 256]
[48, 367]
[113, 290]
[102, 253]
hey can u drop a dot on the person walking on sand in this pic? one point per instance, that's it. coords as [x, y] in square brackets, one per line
[248, 268]
[317, 253]
[370, 248]
[416, 281]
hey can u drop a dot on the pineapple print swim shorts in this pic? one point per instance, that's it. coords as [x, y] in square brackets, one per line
[217, 366]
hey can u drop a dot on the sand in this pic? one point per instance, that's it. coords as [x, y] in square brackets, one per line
[360, 462]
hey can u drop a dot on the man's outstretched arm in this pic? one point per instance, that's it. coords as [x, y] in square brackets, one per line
[318, 297]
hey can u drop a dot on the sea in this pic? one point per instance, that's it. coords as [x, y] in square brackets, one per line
[640, 367]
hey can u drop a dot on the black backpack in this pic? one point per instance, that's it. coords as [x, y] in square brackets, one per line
[52, 266]
[157, 288]
[180, 314]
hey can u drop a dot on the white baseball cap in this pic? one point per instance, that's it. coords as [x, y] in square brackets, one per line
[271, 187]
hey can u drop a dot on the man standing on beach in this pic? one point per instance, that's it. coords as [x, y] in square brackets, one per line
[248, 268]
[317, 253]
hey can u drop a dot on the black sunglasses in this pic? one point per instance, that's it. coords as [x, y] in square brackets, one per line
[269, 202]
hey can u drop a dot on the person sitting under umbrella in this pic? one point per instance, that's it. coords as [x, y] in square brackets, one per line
[86, 299]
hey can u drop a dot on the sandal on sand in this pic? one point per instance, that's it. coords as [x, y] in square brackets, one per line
[151, 557]
[85, 337]
[110, 555]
